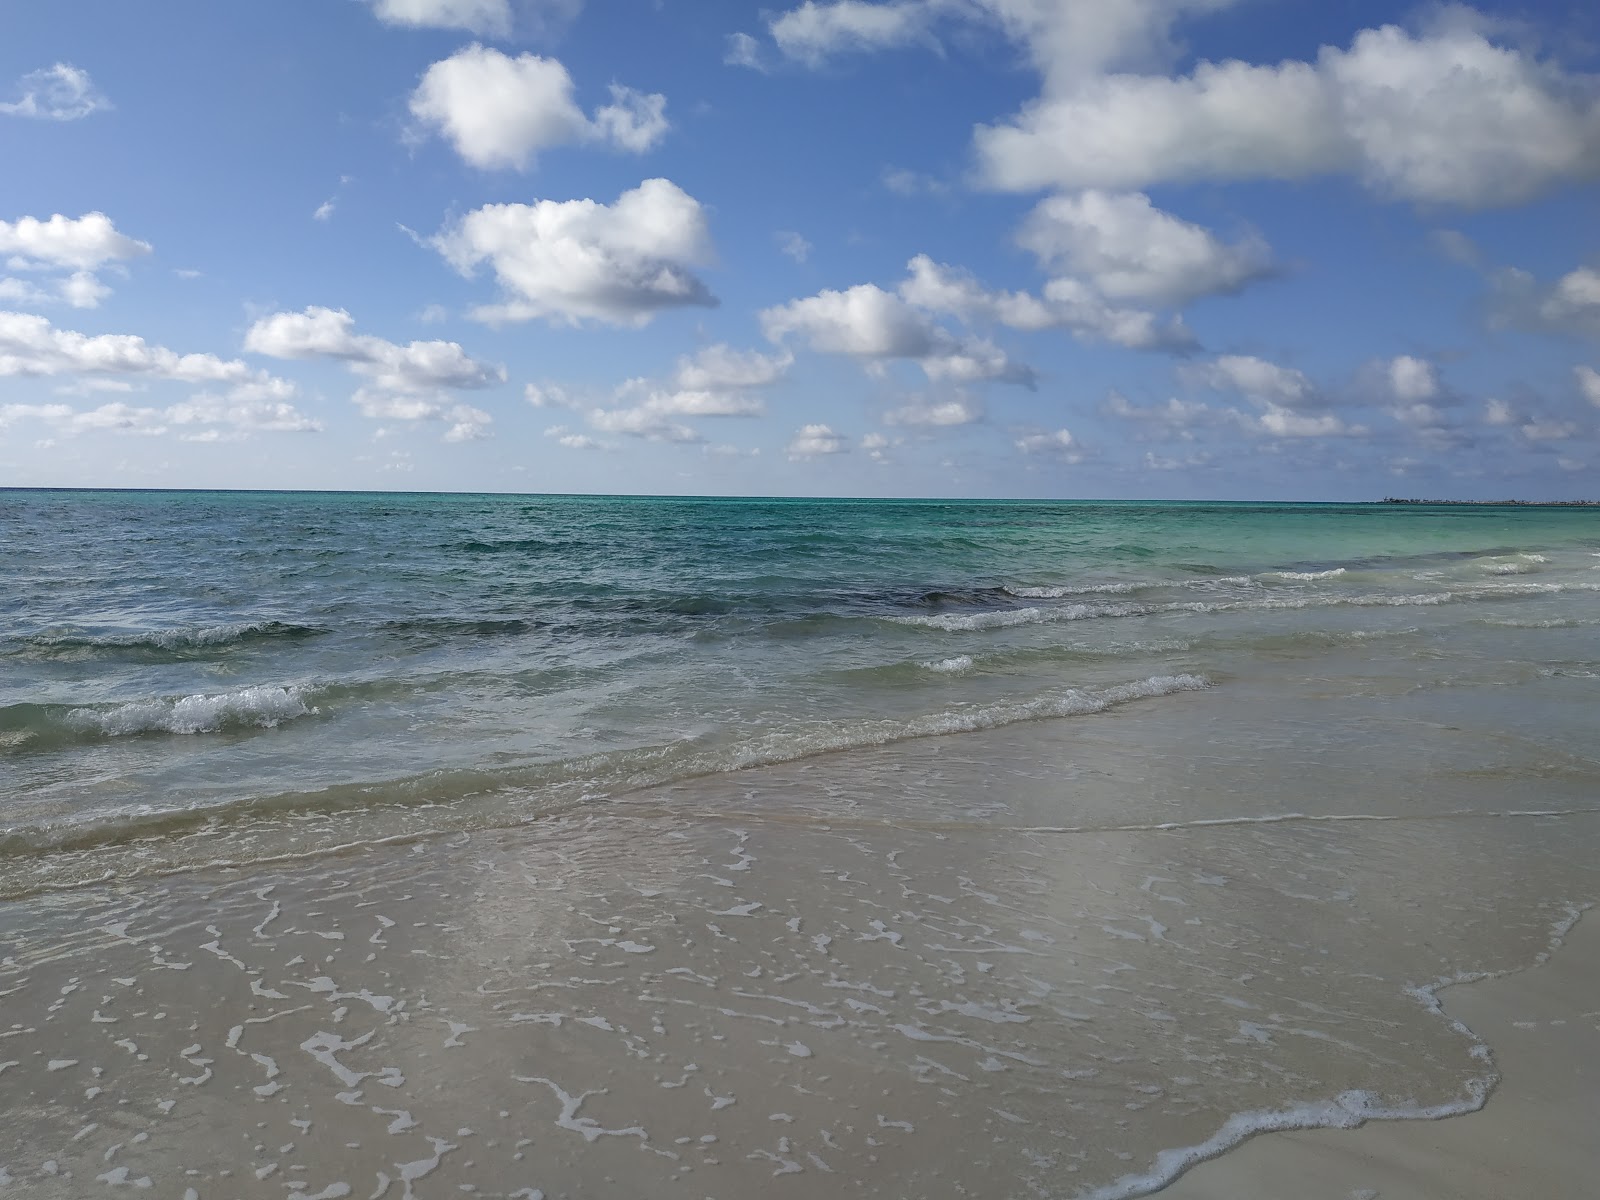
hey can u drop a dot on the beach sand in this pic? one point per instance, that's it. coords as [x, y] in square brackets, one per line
[1538, 1136]
[1023, 962]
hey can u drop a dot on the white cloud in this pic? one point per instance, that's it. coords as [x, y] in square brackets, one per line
[642, 422]
[575, 441]
[1069, 40]
[722, 368]
[1284, 395]
[1283, 422]
[935, 413]
[410, 383]
[1064, 304]
[330, 333]
[1569, 306]
[1549, 431]
[1065, 39]
[712, 383]
[1258, 380]
[1442, 118]
[1412, 380]
[84, 243]
[813, 32]
[792, 244]
[1588, 384]
[324, 210]
[581, 260]
[229, 417]
[1498, 412]
[864, 321]
[31, 345]
[1175, 419]
[905, 182]
[269, 416]
[466, 422]
[871, 324]
[1129, 250]
[56, 93]
[499, 111]
[812, 441]
[79, 245]
[1060, 443]
[744, 51]
[473, 16]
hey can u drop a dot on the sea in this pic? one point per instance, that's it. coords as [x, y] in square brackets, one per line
[206, 696]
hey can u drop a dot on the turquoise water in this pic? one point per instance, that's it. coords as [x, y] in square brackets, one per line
[200, 677]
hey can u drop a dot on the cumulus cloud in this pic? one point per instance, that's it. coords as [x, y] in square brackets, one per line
[867, 323]
[1129, 250]
[473, 16]
[814, 32]
[1064, 303]
[84, 243]
[408, 383]
[31, 346]
[578, 260]
[722, 368]
[744, 51]
[1065, 39]
[1175, 420]
[1287, 397]
[80, 246]
[1060, 443]
[813, 441]
[575, 441]
[1588, 384]
[499, 111]
[1445, 117]
[56, 93]
[466, 423]
[715, 382]
[1569, 306]
[935, 413]
[205, 417]
[330, 333]
[1258, 380]
[792, 244]
[1411, 379]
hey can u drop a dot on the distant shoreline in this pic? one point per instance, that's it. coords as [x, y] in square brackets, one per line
[1494, 503]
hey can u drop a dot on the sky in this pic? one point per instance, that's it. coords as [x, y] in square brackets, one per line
[1208, 249]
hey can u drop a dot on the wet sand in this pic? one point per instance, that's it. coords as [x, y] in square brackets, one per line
[1539, 1134]
[1034, 961]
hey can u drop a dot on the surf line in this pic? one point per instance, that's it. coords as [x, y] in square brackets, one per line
[852, 822]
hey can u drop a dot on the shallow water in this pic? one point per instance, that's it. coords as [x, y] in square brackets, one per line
[1053, 852]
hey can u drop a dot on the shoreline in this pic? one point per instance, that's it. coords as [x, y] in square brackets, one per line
[1529, 1022]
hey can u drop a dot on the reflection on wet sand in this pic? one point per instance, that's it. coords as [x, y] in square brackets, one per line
[1020, 962]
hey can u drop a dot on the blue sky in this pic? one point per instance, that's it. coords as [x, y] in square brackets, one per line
[1147, 248]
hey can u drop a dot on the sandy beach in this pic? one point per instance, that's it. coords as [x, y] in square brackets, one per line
[1535, 1136]
[889, 972]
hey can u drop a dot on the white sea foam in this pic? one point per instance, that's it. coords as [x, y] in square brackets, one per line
[1348, 1110]
[259, 706]
[951, 666]
[1084, 589]
[1305, 576]
[788, 745]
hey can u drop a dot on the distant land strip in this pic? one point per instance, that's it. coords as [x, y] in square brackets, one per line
[1497, 503]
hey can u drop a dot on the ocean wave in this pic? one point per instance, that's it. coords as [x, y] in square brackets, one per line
[68, 641]
[1039, 615]
[573, 781]
[1305, 576]
[38, 726]
[951, 666]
